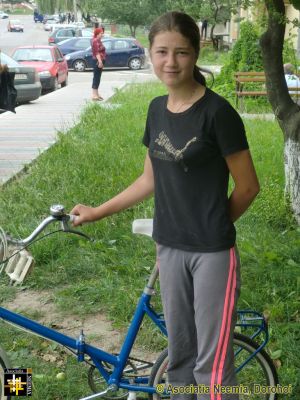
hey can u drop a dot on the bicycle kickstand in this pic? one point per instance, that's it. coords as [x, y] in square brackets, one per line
[111, 388]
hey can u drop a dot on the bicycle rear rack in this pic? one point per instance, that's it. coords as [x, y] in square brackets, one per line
[249, 319]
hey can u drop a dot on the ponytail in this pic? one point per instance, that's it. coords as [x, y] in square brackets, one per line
[199, 77]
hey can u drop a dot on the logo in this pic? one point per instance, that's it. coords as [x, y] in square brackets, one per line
[17, 382]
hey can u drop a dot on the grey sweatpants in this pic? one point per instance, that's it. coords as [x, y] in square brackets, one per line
[199, 293]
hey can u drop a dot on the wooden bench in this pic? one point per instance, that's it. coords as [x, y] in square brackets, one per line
[205, 43]
[244, 78]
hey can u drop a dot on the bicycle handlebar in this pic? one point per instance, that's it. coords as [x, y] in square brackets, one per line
[58, 214]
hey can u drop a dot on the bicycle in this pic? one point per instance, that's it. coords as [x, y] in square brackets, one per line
[122, 375]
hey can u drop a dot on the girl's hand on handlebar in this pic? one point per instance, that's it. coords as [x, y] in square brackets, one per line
[83, 214]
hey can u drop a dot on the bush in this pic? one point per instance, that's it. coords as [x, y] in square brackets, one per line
[245, 56]
[289, 53]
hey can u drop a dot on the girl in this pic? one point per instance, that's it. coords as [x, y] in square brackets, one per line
[98, 51]
[195, 139]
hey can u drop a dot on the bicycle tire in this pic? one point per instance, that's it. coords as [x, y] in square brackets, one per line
[4, 363]
[259, 371]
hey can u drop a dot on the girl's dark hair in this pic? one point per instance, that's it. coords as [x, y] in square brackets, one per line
[184, 24]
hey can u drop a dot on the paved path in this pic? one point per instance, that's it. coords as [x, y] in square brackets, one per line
[33, 129]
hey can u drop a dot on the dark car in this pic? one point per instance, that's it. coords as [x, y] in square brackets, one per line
[74, 44]
[27, 81]
[37, 17]
[120, 52]
[48, 61]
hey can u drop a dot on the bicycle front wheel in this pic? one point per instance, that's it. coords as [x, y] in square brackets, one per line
[4, 363]
[257, 378]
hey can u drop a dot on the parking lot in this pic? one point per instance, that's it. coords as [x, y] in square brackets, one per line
[24, 135]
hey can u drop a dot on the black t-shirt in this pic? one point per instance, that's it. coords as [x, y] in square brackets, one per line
[191, 176]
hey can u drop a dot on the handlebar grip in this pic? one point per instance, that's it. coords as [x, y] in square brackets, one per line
[73, 217]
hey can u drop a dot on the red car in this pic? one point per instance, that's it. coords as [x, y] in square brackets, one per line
[48, 61]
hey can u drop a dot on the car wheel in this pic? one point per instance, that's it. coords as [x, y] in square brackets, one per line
[135, 63]
[79, 65]
[65, 82]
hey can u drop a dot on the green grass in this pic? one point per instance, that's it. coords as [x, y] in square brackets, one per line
[20, 11]
[209, 56]
[92, 162]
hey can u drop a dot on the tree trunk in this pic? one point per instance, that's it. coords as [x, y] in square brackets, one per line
[292, 175]
[214, 40]
[132, 30]
[286, 111]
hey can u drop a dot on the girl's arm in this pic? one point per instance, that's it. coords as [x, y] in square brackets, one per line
[136, 192]
[246, 185]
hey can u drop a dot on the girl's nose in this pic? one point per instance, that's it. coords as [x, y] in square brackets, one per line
[171, 59]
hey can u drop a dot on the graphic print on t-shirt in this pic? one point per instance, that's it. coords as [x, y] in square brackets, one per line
[171, 153]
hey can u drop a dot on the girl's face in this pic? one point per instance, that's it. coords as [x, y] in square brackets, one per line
[173, 58]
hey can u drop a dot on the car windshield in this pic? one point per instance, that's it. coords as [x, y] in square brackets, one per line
[15, 22]
[33, 55]
[6, 60]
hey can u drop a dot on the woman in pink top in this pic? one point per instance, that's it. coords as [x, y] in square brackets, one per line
[98, 51]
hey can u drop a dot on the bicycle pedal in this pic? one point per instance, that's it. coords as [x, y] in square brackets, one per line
[131, 396]
[19, 266]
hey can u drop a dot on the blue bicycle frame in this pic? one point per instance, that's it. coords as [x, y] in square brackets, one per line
[98, 356]
[247, 319]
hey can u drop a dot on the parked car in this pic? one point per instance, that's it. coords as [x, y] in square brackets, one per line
[77, 43]
[37, 17]
[121, 52]
[27, 81]
[54, 17]
[79, 24]
[48, 61]
[60, 34]
[3, 15]
[49, 24]
[15, 25]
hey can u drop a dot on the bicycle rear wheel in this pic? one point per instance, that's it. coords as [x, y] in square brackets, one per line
[259, 371]
[4, 363]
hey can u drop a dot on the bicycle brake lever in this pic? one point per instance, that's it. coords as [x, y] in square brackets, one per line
[66, 228]
[78, 233]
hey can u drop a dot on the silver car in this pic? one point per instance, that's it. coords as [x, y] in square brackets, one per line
[3, 15]
[27, 81]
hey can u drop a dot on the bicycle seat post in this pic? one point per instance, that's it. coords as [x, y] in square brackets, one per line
[151, 281]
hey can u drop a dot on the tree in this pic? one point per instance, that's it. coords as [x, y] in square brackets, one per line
[214, 11]
[134, 13]
[286, 111]
[51, 6]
